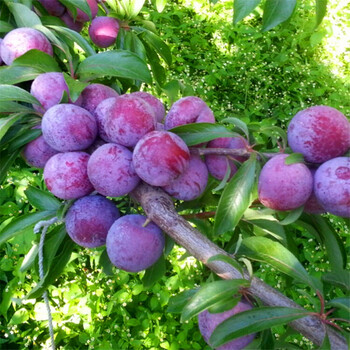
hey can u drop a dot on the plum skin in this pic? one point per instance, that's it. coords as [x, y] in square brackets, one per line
[207, 322]
[53, 7]
[71, 23]
[111, 171]
[67, 127]
[320, 133]
[65, 175]
[20, 40]
[284, 187]
[155, 103]
[160, 157]
[48, 89]
[332, 186]
[134, 248]
[89, 219]
[103, 31]
[191, 183]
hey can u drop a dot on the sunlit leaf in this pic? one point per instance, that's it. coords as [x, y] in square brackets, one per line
[276, 12]
[242, 8]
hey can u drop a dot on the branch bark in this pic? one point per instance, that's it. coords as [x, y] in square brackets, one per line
[160, 209]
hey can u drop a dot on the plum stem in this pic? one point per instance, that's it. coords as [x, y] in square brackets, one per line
[103, 6]
[241, 152]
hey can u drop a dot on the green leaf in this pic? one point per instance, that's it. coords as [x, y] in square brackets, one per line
[321, 10]
[294, 158]
[196, 133]
[252, 321]
[6, 122]
[276, 12]
[24, 17]
[117, 63]
[275, 132]
[23, 138]
[210, 294]
[42, 200]
[236, 197]
[224, 304]
[13, 107]
[5, 27]
[239, 124]
[178, 302]
[338, 278]
[16, 74]
[292, 216]
[75, 38]
[105, 262]
[23, 222]
[227, 259]
[20, 316]
[242, 8]
[160, 4]
[341, 303]
[226, 178]
[6, 160]
[29, 259]
[39, 60]
[154, 273]
[326, 344]
[14, 93]
[276, 255]
[134, 44]
[270, 227]
[75, 86]
[80, 4]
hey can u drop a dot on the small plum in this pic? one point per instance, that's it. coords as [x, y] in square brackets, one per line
[48, 89]
[132, 247]
[320, 133]
[82, 16]
[332, 186]
[20, 40]
[160, 157]
[53, 7]
[67, 127]
[217, 165]
[190, 109]
[207, 322]
[65, 175]
[156, 104]
[103, 31]
[111, 171]
[128, 118]
[89, 219]
[94, 94]
[71, 23]
[191, 183]
[37, 152]
[284, 186]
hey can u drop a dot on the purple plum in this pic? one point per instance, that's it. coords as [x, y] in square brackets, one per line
[71, 23]
[103, 31]
[156, 104]
[132, 247]
[53, 7]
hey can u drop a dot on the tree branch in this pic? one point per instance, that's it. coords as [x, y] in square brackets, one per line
[159, 208]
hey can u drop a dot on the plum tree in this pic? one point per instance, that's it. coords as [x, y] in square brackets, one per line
[332, 186]
[94, 94]
[127, 118]
[37, 152]
[71, 23]
[67, 127]
[217, 165]
[160, 157]
[111, 170]
[65, 175]
[133, 247]
[20, 40]
[53, 7]
[207, 322]
[89, 219]
[191, 183]
[282, 186]
[156, 104]
[82, 16]
[186, 110]
[320, 133]
[103, 31]
[48, 89]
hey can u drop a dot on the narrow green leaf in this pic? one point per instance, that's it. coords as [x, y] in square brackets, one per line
[321, 10]
[236, 197]
[276, 12]
[105, 263]
[154, 273]
[19, 317]
[80, 4]
[117, 63]
[294, 158]
[178, 302]
[75, 86]
[16, 74]
[24, 17]
[6, 122]
[275, 254]
[224, 181]
[23, 138]
[326, 344]
[210, 294]
[196, 133]
[275, 132]
[39, 60]
[269, 227]
[42, 200]
[134, 44]
[225, 304]
[13, 107]
[23, 222]
[29, 259]
[252, 321]
[158, 70]
[338, 278]
[14, 93]
[341, 303]
[239, 124]
[6, 160]
[242, 8]
[293, 216]
[5, 27]
[227, 259]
